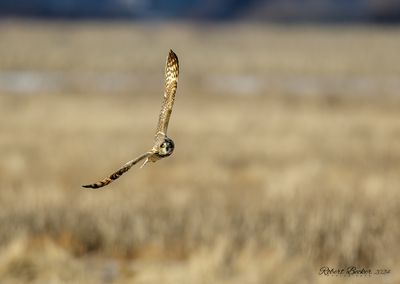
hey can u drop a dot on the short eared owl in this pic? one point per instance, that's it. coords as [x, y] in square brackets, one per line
[163, 146]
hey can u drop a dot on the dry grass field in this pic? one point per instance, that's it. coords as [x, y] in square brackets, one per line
[287, 154]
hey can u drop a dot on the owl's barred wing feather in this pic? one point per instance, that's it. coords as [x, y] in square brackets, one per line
[119, 172]
[171, 84]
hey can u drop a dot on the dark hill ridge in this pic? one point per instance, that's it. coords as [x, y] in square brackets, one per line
[260, 10]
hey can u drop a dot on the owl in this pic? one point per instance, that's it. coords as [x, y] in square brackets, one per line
[163, 145]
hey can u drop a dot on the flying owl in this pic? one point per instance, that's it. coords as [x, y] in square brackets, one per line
[163, 145]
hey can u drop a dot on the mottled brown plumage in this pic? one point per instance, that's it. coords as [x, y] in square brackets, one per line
[163, 146]
[171, 84]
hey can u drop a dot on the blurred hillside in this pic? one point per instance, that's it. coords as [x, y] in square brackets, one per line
[387, 11]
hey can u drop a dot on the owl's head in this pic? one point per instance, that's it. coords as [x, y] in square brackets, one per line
[166, 147]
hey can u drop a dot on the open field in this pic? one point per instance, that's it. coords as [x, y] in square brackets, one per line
[287, 154]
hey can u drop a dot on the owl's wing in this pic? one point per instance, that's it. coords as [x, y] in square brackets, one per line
[119, 172]
[171, 84]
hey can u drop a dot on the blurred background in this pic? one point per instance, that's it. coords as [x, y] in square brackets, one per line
[287, 133]
[383, 11]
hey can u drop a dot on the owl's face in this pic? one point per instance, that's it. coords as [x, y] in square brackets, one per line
[166, 148]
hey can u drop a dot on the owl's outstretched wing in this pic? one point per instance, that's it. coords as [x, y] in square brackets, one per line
[171, 84]
[119, 172]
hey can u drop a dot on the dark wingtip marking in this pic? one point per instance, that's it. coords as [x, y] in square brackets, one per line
[92, 186]
[172, 54]
[89, 186]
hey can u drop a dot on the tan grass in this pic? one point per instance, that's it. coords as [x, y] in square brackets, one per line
[261, 189]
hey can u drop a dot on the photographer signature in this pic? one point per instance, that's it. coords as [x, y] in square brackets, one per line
[352, 271]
